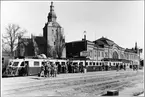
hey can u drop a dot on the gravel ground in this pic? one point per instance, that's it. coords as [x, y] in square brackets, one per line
[79, 84]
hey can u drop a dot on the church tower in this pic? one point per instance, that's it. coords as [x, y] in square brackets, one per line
[52, 16]
[52, 32]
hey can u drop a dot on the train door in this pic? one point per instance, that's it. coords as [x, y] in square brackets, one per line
[80, 66]
[24, 68]
[58, 67]
[74, 67]
[63, 67]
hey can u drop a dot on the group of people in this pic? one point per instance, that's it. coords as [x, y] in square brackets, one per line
[48, 70]
[120, 67]
[74, 68]
[135, 67]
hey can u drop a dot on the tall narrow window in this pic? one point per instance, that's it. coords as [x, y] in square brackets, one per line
[98, 53]
[102, 54]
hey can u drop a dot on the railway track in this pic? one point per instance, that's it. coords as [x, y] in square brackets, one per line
[76, 83]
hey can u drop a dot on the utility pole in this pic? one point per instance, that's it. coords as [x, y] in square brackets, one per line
[85, 47]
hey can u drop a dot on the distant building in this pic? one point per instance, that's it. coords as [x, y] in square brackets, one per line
[102, 49]
[48, 43]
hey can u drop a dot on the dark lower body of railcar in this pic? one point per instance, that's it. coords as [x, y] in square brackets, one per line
[101, 68]
[22, 71]
[33, 70]
[94, 68]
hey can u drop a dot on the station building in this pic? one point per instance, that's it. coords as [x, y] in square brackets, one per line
[102, 49]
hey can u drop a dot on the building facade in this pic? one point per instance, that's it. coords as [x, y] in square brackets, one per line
[102, 49]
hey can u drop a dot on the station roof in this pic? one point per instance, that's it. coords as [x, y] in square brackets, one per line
[111, 59]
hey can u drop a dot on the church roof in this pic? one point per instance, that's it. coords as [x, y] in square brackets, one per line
[25, 41]
[40, 40]
[53, 24]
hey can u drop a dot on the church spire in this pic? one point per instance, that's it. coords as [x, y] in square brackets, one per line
[51, 7]
[51, 16]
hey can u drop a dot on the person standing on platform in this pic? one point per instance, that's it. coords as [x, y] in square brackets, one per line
[117, 67]
[26, 69]
[69, 68]
[48, 69]
[72, 66]
[124, 67]
[45, 71]
[42, 71]
[59, 68]
[55, 70]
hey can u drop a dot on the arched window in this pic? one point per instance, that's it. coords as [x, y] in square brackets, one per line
[115, 55]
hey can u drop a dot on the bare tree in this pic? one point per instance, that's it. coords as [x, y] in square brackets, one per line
[35, 45]
[59, 43]
[50, 51]
[10, 38]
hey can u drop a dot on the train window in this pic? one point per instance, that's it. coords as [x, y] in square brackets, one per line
[110, 64]
[2, 60]
[74, 63]
[93, 63]
[90, 63]
[22, 64]
[80, 63]
[62, 63]
[56, 63]
[15, 63]
[100, 63]
[113, 63]
[43, 63]
[97, 63]
[10, 63]
[50, 62]
[36, 63]
[86, 63]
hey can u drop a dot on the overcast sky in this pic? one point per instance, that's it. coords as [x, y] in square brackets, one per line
[120, 21]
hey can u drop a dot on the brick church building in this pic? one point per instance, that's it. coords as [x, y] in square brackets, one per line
[52, 43]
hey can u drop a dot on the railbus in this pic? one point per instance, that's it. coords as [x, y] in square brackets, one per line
[33, 66]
